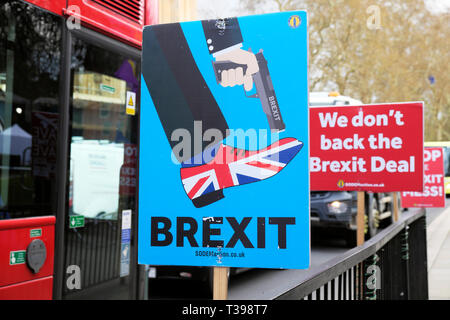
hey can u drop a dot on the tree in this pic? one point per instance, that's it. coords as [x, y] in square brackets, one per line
[378, 51]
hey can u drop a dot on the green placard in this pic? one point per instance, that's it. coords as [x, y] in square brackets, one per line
[76, 222]
[35, 233]
[17, 257]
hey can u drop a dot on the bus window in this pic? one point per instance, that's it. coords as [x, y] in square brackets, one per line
[29, 108]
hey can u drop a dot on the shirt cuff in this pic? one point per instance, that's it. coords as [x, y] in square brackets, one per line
[218, 53]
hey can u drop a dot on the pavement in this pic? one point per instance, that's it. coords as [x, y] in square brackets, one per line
[438, 249]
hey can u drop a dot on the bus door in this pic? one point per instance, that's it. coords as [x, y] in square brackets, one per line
[100, 248]
[30, 51]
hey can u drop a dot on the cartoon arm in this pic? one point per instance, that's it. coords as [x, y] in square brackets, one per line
[224, 41]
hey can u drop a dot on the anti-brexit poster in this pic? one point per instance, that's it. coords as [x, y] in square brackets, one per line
[433, 195]
[376, 147]
[223, 156]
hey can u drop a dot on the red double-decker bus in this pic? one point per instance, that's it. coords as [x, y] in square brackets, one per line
[69, 107]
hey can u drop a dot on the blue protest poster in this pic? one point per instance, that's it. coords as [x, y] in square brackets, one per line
[223, 158]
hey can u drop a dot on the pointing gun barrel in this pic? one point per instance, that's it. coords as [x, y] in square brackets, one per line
[264, 89]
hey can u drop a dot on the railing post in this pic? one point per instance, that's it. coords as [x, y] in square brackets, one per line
[393, 269]
[405, 261]
[391, 266]
[418, 269]
[382, 278]
[371, 278]
[359, 281]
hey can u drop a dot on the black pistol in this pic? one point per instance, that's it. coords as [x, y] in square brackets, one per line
[264, 89]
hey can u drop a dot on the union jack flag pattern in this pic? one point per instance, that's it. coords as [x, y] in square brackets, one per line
[233, 167]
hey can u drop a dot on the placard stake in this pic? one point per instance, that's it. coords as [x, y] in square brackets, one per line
[395, 199]
[220, 284]
[360, 218]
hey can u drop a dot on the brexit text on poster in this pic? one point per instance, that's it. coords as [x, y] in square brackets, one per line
[375, 148]
[433, 195]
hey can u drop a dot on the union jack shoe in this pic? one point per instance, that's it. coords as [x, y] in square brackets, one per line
[234, 167]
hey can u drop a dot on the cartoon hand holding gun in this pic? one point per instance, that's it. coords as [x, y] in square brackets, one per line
[235, 66]
[232, 77]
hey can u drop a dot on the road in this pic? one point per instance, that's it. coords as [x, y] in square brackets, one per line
[264, 284]
[433, 213]
[438, 251]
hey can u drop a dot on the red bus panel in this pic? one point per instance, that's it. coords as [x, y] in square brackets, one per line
[17, 278]
[151, 12]
[39, 289]
[55, 6]
[119, 19]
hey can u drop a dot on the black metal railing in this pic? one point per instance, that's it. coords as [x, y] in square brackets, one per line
[390, 266]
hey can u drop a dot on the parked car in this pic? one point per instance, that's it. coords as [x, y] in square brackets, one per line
[335, 211]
